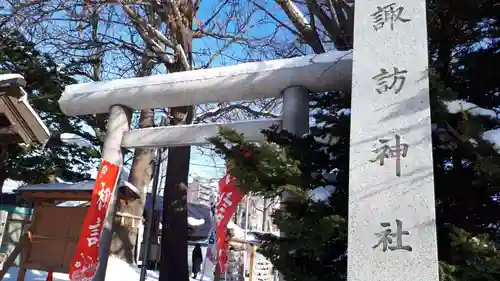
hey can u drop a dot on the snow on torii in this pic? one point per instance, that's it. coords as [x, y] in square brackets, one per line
[248, 81]
[254, 80]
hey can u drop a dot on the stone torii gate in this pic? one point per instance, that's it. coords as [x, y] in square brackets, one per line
[392, 232]
[292, 78]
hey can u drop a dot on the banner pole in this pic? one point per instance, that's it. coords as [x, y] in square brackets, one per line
[150, 215]
[245, 236]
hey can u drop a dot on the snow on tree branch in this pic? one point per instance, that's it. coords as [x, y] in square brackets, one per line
[493, 137]
[457, 106]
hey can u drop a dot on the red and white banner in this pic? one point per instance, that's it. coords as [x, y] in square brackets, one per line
[230, 196]
[50, 275]
[84, 263]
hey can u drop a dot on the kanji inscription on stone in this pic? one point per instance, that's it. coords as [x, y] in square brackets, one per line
[385, 237]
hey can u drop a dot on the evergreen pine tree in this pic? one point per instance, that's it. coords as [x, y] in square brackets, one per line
[464, 58]
[316, 228]
[45, 82]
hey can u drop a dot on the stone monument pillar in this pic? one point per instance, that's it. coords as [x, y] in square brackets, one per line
[392, 231]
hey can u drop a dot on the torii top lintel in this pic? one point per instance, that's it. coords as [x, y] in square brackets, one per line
[248, 81]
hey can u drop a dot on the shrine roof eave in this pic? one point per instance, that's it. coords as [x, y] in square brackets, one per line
[15, 106]
[248, 81]
[74, 190]
[11, 83]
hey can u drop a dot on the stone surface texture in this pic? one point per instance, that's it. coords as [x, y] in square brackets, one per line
[377, 194]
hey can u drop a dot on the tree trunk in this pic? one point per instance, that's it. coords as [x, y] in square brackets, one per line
[174, 257]
[126, 225]
[174, 248]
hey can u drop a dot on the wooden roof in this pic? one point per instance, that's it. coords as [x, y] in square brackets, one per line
[18, 120]
[81, 191]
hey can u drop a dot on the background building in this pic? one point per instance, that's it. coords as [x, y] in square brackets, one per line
[201, 191]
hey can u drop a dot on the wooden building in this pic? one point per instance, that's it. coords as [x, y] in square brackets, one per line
[50, 239]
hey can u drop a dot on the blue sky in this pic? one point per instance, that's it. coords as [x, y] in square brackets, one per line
[259, 26]
[203, 162]
[200, 164]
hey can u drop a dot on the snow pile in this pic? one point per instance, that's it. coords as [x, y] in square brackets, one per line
[10, 185]
[458, 106]
[118, 270]
[195, 222]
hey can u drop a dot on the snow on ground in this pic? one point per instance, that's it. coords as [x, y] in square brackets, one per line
[118, 270]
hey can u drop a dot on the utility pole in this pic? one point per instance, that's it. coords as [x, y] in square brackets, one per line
[150, 219]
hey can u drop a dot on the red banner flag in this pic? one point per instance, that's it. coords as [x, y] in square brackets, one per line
[229, 199]
[84, 263]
